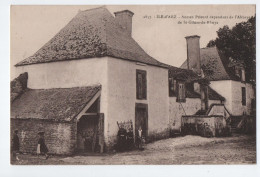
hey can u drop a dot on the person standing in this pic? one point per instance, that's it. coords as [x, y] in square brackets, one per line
[42, 148]
[15, 145]
[130, 138]
[121, 135]
[139, 139]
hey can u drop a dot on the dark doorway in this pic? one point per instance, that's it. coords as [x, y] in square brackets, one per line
[90, 133]
[141, 119]
[87, 128]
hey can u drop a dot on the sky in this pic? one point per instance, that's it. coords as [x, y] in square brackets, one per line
[162, 38]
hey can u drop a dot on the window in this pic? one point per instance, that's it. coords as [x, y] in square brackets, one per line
[141, 85]
[172, 87]
[243, 79]
[243, 96]
[181, 97]
[240, 72]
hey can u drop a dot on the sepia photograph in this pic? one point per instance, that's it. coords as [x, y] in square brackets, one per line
[133, 85]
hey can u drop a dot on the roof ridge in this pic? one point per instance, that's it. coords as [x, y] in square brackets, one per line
[55, 104]
[91, 33]
[94, 85]
[100, 7]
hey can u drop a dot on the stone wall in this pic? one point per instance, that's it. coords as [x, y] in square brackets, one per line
[189, 107]
[60, 137]
[208, 126]
[177, 110]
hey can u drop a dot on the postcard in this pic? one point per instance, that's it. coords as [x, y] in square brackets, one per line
[133, 85]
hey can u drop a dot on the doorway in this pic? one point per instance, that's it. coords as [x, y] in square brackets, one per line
[141, 119]
[87, 132]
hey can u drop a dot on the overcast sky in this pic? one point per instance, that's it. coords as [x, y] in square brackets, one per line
[163, 39]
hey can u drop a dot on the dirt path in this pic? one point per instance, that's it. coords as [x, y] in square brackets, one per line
[238, 149]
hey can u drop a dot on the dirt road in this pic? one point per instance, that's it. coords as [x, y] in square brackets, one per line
[238, 149]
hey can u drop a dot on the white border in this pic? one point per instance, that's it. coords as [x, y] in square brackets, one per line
[133, 170]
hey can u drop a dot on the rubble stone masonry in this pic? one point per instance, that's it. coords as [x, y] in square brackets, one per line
[60, 137]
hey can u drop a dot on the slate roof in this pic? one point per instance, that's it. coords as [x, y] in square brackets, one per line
[91, 33]
[182, 74]
[213, 95]
[214, 65]
[189, 76]
[61, 104]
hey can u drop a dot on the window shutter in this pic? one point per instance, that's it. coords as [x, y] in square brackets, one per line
[177, 91]
[243, 96]
[172, 87]
[141, 84]
[181, 92]
[144, 85]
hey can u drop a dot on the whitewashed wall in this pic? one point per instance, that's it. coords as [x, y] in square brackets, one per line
[177, 110]
[118, 80]
[122, 96]
[224, 88]
[67, 74]
[232, 92]
[237, 107]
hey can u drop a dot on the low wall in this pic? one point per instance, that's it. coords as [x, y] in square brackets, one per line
[207, 126]
[60, 137]
[177, 110]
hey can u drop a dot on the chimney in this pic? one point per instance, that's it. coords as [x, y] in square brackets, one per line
[196, 86]
[193, 53]
[124, 18]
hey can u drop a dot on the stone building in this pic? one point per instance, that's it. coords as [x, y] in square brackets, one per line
[91, 75]
[185, 95]
[225, 76]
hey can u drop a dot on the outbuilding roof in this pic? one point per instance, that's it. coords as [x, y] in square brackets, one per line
[183, 74]
[91, 33]
[189, 76]
[213, 95]
[214, 65]
[58, 104]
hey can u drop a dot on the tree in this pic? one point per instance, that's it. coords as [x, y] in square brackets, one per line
[211, 43]
[239, 43]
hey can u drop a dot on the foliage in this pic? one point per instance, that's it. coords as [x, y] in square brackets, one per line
[211, 43]
[239, 43]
